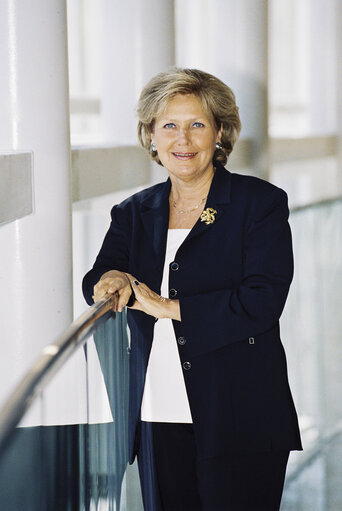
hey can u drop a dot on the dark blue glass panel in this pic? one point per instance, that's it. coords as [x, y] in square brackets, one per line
[39, 470]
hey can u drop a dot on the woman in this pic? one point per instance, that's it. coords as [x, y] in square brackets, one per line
[204, 261]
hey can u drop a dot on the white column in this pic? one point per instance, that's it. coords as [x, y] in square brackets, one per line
[138, 42]
[322, 66]
[338, 86]
[35, 267]
[228, 38]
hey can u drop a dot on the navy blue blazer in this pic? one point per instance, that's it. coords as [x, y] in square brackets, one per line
[232, 279]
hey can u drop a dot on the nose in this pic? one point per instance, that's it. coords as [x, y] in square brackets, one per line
[183, 136]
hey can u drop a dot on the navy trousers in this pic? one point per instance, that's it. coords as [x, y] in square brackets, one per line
[174, 479]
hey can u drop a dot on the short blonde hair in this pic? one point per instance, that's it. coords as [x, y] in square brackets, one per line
[216, 97]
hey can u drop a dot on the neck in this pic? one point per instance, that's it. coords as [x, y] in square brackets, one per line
[190, 191]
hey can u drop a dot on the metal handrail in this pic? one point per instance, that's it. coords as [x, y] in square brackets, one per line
[52, 358]
[319, 202]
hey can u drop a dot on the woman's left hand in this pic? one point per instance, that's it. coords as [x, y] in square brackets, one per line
[151, 303]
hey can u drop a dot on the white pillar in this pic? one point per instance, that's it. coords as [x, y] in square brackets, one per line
[322, 66]
[35, 267]
[338, 85]
[228, 38]
[138, 42]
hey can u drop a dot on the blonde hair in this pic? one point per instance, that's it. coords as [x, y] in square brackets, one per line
[216, 97]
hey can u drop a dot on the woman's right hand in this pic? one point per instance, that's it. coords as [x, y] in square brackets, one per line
[109, 283]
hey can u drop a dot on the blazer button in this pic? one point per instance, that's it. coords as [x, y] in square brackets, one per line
[172, 292]
[251, 340]
[174, 266]
[186, 366]
[181, 341]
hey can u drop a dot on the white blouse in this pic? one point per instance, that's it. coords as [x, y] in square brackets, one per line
[165, 398]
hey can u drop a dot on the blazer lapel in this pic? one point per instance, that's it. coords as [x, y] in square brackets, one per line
[155, 217]
[218, 199]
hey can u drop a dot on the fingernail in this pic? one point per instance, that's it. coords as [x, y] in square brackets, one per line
[136, 282]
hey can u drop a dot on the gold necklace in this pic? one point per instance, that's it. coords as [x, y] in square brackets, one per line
[183, 211]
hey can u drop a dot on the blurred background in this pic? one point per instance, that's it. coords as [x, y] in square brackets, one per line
[72, 74]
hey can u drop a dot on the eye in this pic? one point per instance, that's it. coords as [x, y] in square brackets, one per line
[169, 125]
[198, 125]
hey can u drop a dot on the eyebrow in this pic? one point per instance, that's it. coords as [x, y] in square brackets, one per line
[176, 120]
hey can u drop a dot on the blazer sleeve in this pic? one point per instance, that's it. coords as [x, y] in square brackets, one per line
[113, 255]
[212, 320]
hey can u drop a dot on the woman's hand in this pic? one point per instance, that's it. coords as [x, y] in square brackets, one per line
[153, 304]
[111, 282]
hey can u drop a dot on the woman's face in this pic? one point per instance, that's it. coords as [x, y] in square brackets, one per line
[185, 136]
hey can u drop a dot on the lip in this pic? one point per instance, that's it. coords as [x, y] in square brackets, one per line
[184, 156]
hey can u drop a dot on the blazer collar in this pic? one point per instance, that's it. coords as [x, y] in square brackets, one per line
[219, 192]
[155, 210]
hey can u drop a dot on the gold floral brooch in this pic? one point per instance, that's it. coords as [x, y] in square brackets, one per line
[208, 216]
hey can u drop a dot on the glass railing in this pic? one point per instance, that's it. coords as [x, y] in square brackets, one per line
[70, 452]
[311, 332]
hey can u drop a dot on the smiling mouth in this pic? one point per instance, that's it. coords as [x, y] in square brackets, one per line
[184, 156]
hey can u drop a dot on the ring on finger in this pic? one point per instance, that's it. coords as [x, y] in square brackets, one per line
[136, 282]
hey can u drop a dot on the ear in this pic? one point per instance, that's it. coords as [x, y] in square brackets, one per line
[219, 134]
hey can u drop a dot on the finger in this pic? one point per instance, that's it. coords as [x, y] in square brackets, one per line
[143, 289]
[98, 286]
[103, 290]
[100, 289]
[129, 276]
[138, 286]
[114, 288]
[98, 294]
[137, 306]
[124, 296]
[115, 285]
[139, 291]
[144, 295]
